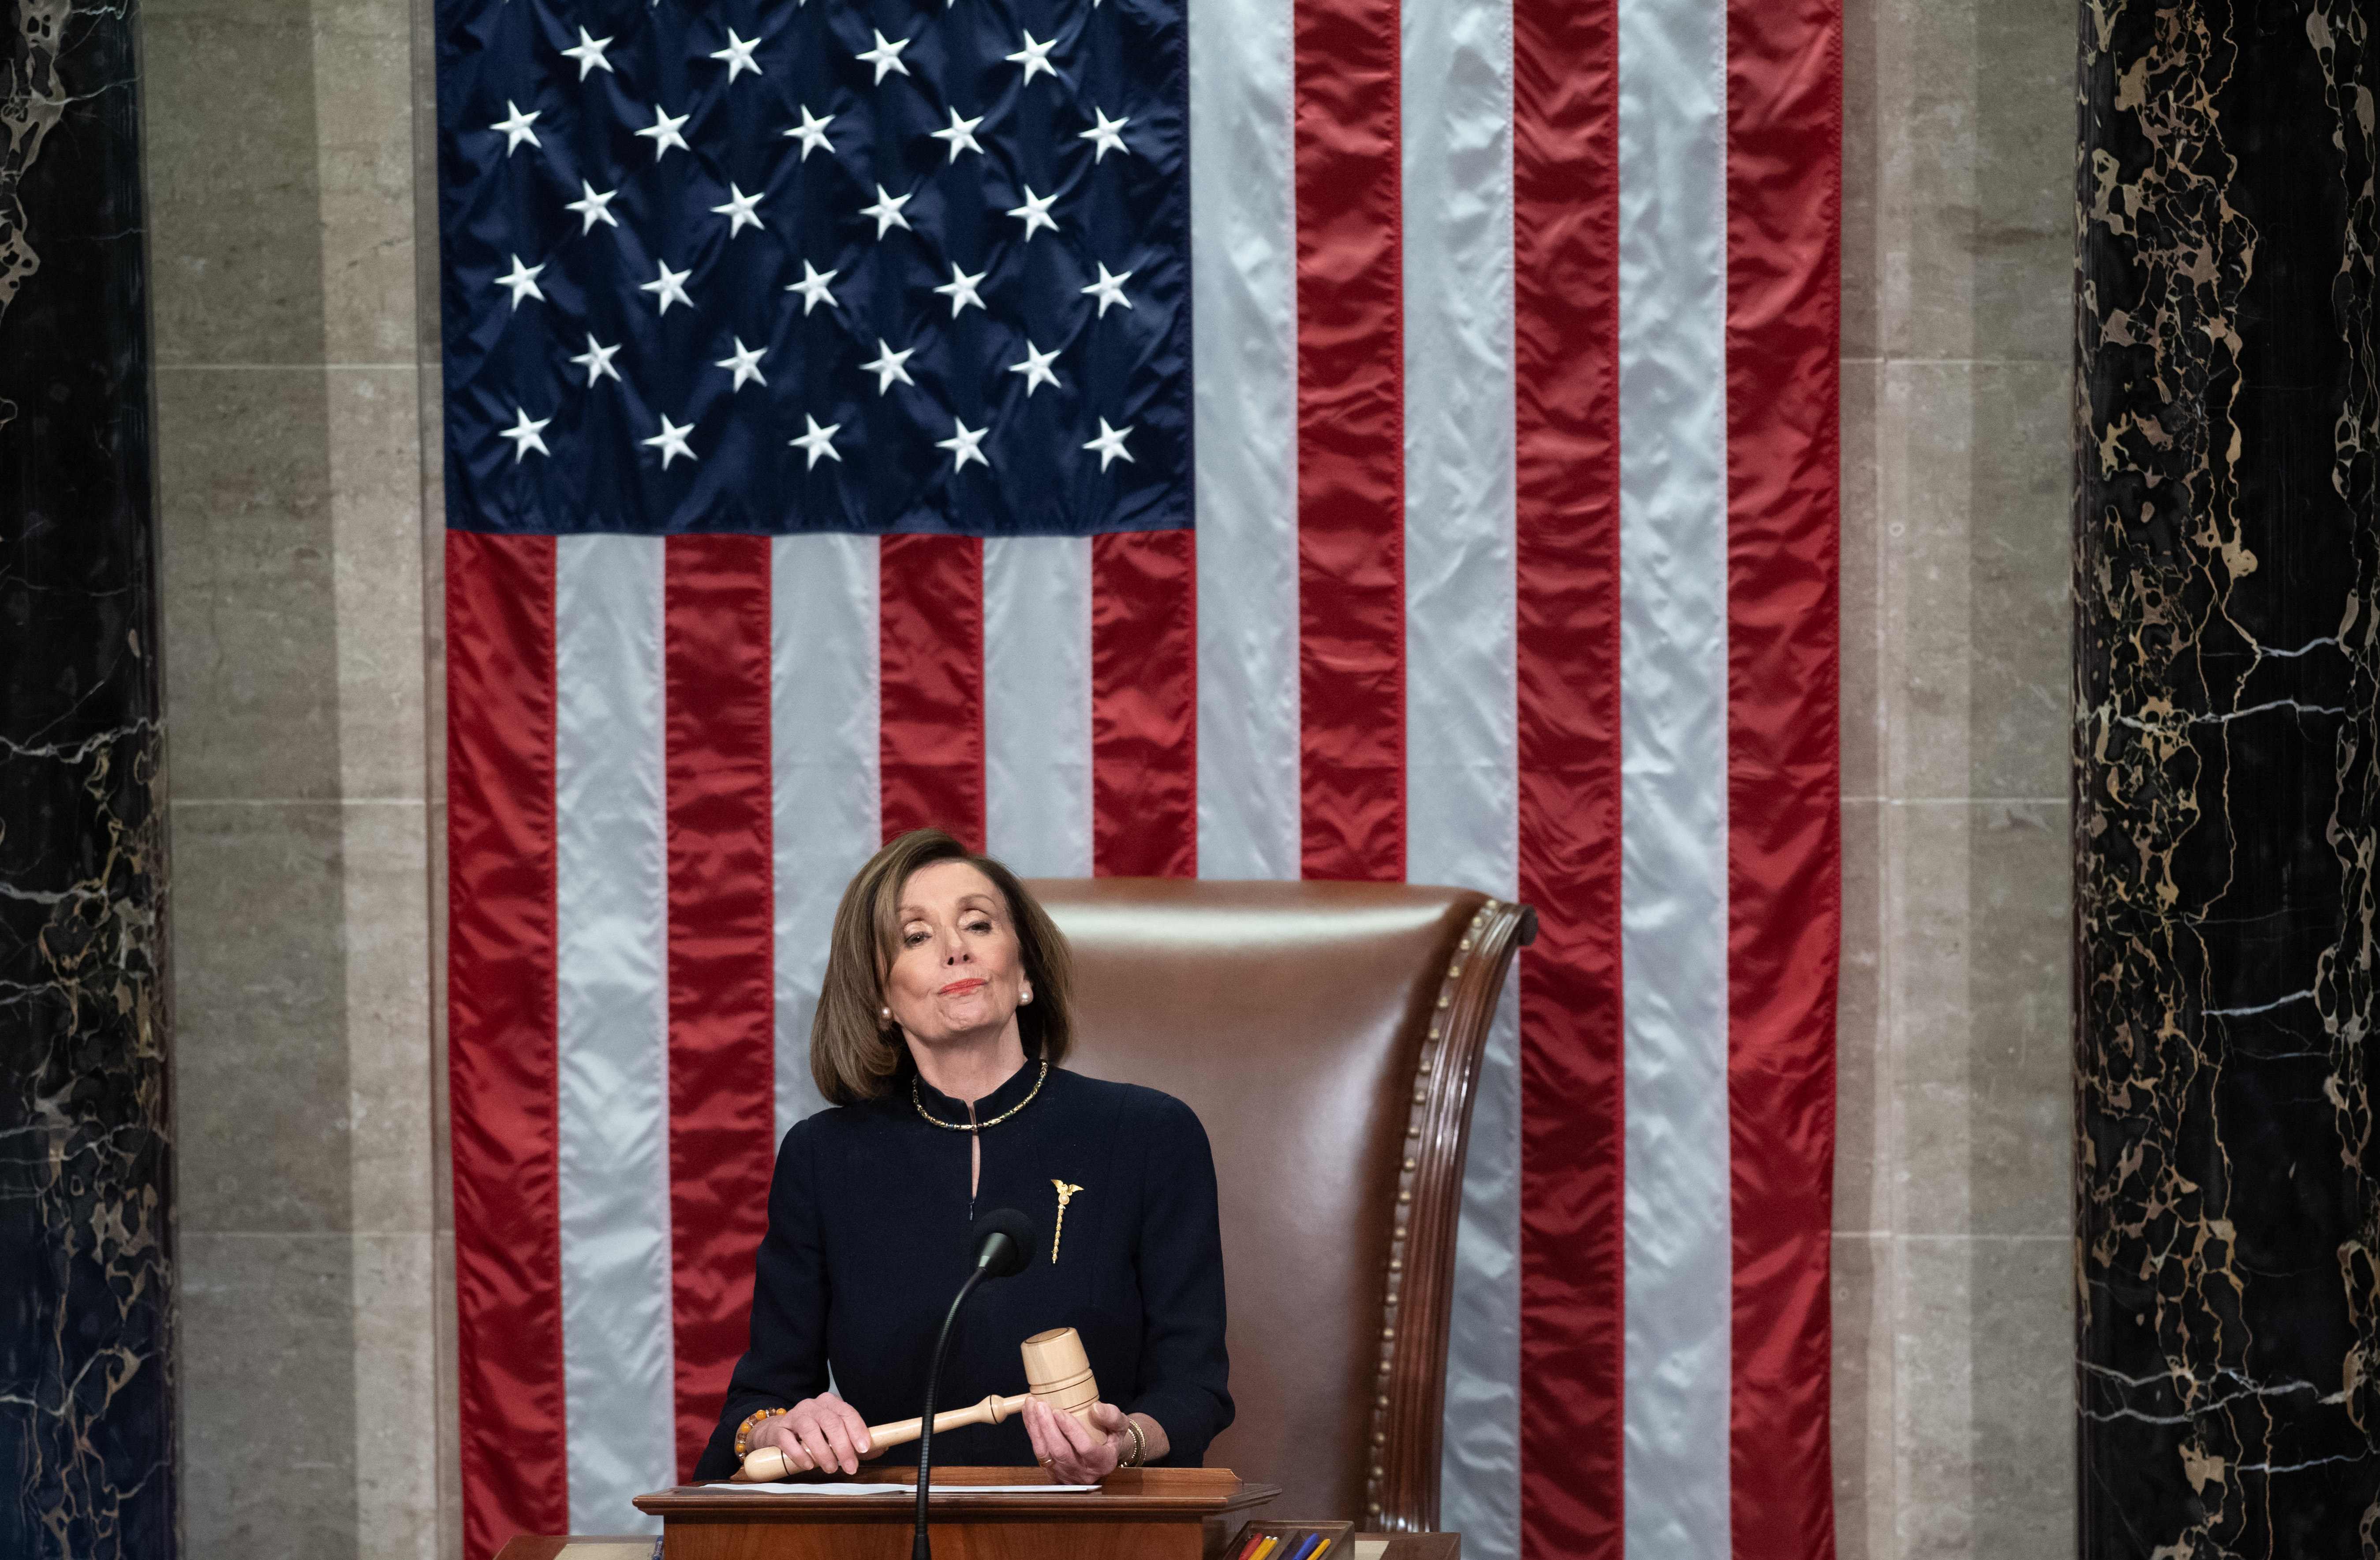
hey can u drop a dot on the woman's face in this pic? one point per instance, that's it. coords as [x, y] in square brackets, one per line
[957, 974]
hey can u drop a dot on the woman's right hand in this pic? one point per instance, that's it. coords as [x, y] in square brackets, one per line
[822, 1433]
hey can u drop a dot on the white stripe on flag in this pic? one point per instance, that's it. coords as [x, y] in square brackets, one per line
[1036, 704]
[1461, 796]
[823, 758]
[1243, 335]
[612, 1010]
[1673, 772]
[1480, 1465]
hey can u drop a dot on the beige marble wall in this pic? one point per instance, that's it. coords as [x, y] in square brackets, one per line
[281, 174]
[1953, 1433]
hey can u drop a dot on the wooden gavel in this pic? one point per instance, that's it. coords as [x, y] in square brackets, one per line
[1056, 1369]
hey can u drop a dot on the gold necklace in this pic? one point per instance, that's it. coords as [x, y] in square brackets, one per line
[916, 1099]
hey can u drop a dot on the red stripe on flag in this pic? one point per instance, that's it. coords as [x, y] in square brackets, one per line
[1144, 704]
[1565, 227]
[1784, 199]
[721, 980]
[500, 1041]
[931, 659]
[1350, 500]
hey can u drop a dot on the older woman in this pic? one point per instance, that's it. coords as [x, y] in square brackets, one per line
[940, 1026]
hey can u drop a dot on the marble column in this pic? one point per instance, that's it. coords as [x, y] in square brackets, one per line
[2228, 804]
[86, 1275]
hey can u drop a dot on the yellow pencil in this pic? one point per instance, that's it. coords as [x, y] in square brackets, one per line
[1319, 1548]
[1271, 1542]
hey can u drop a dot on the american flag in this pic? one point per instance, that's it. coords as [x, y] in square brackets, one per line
[1237, 438]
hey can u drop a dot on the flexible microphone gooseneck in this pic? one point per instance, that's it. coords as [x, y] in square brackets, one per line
[1004, 1243]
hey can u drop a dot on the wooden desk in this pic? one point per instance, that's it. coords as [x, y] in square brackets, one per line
[1139, 1514]
[1361, 1546]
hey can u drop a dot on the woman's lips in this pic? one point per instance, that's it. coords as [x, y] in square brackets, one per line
[962, 987]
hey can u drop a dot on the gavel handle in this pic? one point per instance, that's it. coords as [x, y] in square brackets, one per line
[992, 1410]
[766, 1465]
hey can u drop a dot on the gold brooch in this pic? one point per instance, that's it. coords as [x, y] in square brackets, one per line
[1065, 1195]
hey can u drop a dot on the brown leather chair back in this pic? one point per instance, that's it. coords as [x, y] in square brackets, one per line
[1327, 1035]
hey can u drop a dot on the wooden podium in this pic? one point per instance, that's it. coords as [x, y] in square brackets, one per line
[1139, 1514]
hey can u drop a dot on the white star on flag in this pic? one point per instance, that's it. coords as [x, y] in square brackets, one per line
[961, 289]
[966, 444]
[663, 132]
[522, 280]
[812, 287]
[1035, 368]
[669, 286]
[1034, 57]
[590, 54]
[745, 362]
[516, 126]
[1106, 135]
[1110, 444]
[739, 211]
[887, 365]
[524, 434]
[959, 137]
[593, 207]
[887, 211]
[738, 55]
[885, 56]
[811, 133]
[1109, 289]
[818, 440]
[671, 441]
[596, 360]
[1035, 213]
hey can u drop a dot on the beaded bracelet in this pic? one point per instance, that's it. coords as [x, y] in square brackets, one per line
[751, 1421]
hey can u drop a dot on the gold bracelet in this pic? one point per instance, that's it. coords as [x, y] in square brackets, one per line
[751, 1421]
[1139, 1442]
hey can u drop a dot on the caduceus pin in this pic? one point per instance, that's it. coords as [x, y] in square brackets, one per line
[1065, 1195]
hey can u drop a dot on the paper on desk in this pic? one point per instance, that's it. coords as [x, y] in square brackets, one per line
[908, 1489]
[791, 1489]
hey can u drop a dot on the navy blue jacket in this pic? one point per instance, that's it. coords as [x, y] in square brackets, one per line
[869, 1222]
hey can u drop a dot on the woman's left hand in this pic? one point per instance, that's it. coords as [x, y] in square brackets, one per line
[1072, 1454]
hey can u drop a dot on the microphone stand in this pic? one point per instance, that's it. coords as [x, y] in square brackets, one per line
[920, 1546]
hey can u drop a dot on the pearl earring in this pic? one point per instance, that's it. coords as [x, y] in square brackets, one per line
[884, 1013]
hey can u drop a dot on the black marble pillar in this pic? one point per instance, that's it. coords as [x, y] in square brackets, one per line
[86, 1369]
[2226, 767]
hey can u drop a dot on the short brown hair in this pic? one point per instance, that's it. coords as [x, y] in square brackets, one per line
[853, 1058]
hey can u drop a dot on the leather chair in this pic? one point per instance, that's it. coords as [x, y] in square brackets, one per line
[1329, 1036]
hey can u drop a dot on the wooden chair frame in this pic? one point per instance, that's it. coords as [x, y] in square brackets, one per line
[1401, 1489]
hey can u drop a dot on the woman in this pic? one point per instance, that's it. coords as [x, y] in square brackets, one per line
[941, 1025]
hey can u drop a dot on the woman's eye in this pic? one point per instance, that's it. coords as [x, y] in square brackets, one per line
[978, 925]
[911, 939]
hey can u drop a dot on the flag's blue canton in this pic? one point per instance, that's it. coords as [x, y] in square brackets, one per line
[815, 265]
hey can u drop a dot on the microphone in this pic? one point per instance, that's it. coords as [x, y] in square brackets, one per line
[1004, 1243]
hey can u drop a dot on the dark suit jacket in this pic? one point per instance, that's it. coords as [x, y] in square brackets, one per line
[869, 1224]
